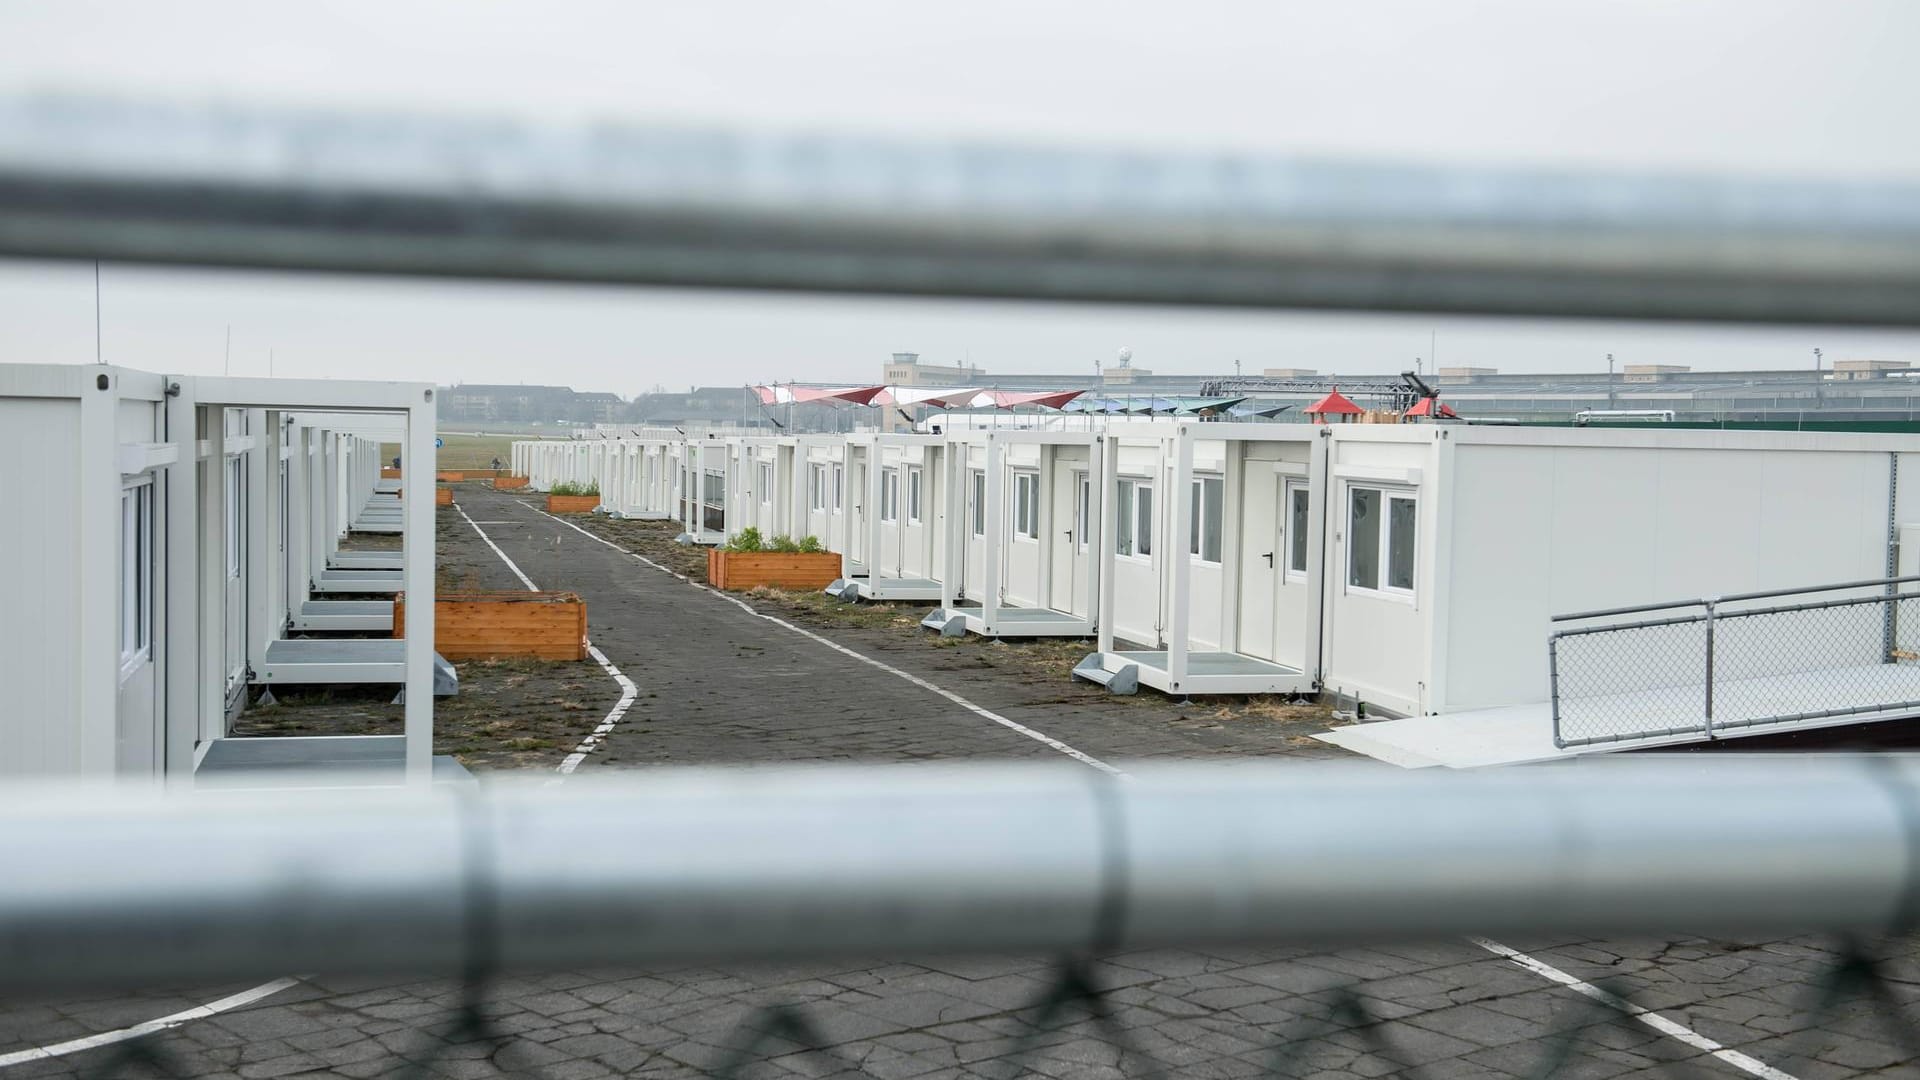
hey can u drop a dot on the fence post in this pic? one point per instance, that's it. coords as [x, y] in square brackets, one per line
[1553, 686]
[1708, 603]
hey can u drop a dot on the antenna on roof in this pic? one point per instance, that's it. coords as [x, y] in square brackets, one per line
[98, 356]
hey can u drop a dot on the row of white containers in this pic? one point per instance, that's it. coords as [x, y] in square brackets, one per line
[1414, 566]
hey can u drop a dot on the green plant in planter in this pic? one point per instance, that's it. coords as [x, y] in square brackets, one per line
[812, 546]
[747, 539]
[783, 544]
[574, 487]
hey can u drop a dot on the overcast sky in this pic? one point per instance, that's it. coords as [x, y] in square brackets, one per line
[1811, 89]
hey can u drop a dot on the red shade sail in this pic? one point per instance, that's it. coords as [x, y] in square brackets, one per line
[1335, 403]
[1431, 407]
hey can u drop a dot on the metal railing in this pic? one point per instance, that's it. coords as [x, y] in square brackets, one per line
[1728, 663]
[492, 197]
[111, 887]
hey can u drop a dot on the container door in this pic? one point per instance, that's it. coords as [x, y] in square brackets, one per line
[1262, 560]
[1071, 491]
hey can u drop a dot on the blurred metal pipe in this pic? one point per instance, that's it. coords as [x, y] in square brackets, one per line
[116, 887]
[397, 194]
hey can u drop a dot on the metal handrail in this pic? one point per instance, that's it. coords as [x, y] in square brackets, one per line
[1732, 598]
[1587, 715]
[658, 866]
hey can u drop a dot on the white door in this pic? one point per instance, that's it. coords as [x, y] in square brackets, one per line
[1262, 561]
[857, 507]
[1071, 504]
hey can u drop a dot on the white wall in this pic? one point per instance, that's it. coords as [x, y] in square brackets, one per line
[1379, 647]
[39, 665]
[1540, 530]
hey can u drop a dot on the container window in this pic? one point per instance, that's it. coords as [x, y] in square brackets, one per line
[236, 516]
[136, 574]
[1382, 540]
[979, 484]
[1400, 547]
[1134, 517]
[889, 495]
[1026, 505]
[1297, 503]
[1082, 509]
[1203, 527]
[913, 496]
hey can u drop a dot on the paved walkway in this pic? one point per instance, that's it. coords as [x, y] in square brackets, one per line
[719, 684]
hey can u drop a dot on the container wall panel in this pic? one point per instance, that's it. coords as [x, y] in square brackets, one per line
[39, 634]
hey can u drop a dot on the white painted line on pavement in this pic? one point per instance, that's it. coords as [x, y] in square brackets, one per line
[1745, 1063]
[916, 680]
[524, 579]
[164, 1023]
[628, 691]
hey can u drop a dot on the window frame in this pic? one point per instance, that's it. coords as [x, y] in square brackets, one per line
[1197, 518]
[1127, 517]
[915, 483]
[1027, 505]
[236, 523]
[889, 494]
[839, 482]
[1292, 526]
[977, 511]
[765, 480]
[816, 486]
[1389, 494]
[1082, 509]
[136, 574]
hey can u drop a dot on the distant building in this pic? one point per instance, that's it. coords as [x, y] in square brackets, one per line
[905, 369]
[482, 402]
[1449, 374]
[1649, 373]
[600, 408]
[1290, 372]
[1867, 369]
[702, 407]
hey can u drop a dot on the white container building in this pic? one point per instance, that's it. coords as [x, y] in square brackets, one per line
[1021, 538]
[168, 532]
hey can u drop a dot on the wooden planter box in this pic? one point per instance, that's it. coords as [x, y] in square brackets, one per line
[482, 474]
[572, 504]
[489, 625]
[741, 570]
[387, 473]
[509, 483]
[450, 476]
[443, 496]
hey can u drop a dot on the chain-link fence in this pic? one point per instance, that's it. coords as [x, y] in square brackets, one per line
[1730, 662]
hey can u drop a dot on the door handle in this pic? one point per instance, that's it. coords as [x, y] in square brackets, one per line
[1269, 557]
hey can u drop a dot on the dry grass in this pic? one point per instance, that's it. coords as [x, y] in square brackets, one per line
[509, 714]
[465, 451]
